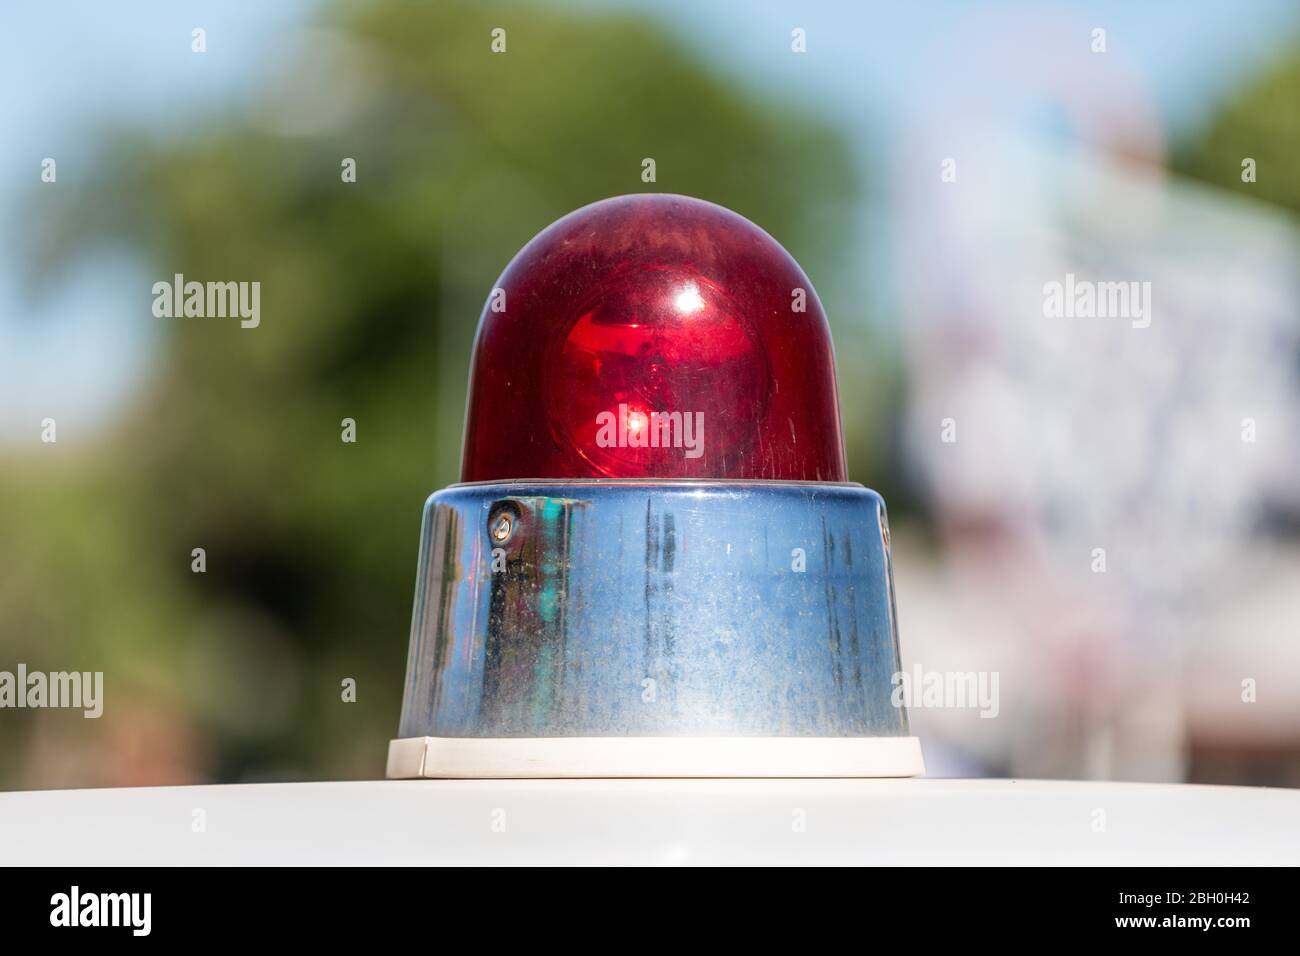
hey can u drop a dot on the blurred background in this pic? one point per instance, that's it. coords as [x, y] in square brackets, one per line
[1106, 516]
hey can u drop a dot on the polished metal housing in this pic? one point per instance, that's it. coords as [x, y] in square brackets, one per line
[650, 609]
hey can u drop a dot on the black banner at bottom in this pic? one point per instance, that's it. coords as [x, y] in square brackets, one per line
[335, 905]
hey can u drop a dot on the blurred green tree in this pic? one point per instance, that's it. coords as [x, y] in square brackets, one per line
[1260, 121]
[370, 295]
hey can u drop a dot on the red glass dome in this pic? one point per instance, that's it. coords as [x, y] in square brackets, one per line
[653, 336]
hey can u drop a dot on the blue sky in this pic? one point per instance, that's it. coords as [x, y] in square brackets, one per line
[1189, 51]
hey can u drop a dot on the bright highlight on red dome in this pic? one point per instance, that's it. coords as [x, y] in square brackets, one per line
[653, 336]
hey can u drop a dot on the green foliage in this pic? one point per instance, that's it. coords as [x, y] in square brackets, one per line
[1260, 121]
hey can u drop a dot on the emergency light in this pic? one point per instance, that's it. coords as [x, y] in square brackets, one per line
[654, 564]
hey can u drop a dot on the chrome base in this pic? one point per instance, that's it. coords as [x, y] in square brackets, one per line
[653, 612]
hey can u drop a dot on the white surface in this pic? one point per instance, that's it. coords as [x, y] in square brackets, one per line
[656, 822]
[585, 757]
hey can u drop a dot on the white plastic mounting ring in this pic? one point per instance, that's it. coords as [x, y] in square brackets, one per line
[586, 757]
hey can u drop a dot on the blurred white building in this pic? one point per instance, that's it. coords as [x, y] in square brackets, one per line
[1103, 408]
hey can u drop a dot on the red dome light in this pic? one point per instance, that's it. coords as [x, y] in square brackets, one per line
[653, 336]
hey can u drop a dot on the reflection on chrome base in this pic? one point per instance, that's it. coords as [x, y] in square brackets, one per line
[630, 609]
